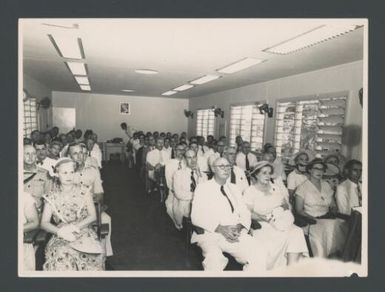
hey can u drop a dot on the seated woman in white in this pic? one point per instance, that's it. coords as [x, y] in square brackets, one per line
[269, 205]
[30, 222]
[299, 175]
[314, 199]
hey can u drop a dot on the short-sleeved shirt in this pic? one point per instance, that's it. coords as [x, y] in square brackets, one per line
[295, 179]
[316, 203]
[37, 183]
[89, 180]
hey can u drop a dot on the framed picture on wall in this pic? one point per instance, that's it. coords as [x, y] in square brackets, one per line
[125, 108]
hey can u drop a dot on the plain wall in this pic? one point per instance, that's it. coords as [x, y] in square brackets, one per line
[101, 112]
[39, 90]
[347, 77]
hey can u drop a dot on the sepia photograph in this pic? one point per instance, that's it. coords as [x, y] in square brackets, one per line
[193, 147]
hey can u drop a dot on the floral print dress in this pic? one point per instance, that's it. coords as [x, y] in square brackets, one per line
[60, 256]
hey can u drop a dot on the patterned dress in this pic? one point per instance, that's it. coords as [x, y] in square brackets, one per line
[59, 254]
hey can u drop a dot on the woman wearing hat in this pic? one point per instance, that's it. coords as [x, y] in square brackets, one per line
[74, 245]
[269, 205]
[314, 199]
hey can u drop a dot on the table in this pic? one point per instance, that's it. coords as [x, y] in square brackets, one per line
[114, 148]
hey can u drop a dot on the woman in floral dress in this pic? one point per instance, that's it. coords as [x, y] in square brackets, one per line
[74, 245]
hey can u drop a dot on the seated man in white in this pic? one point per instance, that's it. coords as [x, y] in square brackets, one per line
[43, 160]
[94, 150]
[202, 160]
[245, 159]
[171, 167]
[156, 159]
[237, 175]
[348, 194]
[279, 168]
[218, 148]
[218, 209]
[184, 183]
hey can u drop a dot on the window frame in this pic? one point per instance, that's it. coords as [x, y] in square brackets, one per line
[309, 97]
[31, 115]
[196, 123]
[245, 103]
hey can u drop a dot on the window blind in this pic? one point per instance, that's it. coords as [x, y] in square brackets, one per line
[247, 122]
[30, 116]
[205, 122]
[314, 124]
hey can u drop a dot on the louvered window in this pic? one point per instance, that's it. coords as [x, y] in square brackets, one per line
[30, 116]
[247, 122]
[205, 122]
[315, 124]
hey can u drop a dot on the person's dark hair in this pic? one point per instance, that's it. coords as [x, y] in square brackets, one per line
[39, 142]
[350, 163]
[315, 161]
[56, 142]
[298, 155]
[78, 134]
[87, 133]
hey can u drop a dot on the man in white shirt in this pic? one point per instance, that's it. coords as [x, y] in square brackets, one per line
[94, 150]
[237, 175]
[219, 147]
[245, 159]
[348, 194]
[184, 183]
[279, 168]
[171, 167]
[43, 160]
[218, 209]
[156, 160]
[202, 160]
[203, 149]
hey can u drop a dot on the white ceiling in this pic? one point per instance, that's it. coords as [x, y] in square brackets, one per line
[180, 49]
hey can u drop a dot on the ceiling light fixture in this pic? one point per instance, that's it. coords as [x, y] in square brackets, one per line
[146, 71]
[183, 87]
[240, 65]
[168, 93]
[205, 79]
[128, 90]
[310, 38]
[82, 80]
[77, 68]
[68, 47]
[85, 87]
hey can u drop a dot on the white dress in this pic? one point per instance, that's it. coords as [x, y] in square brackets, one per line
[277, 242]
[327, 236]
[29, 251]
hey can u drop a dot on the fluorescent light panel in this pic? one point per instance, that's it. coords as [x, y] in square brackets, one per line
[168, 93]
[85, 87]
[146, 71]
[310, 38]
[128, 90]
[68, 47]
[82, 80]
[183, 87]
[205, 79]
[77, 68]
[241, 65]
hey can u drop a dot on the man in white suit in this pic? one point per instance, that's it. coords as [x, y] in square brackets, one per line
[237, 175]
[219, 210]
[348, 194]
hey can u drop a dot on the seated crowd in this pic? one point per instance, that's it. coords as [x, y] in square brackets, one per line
[239, 201]
[249, 204]
[62, 186]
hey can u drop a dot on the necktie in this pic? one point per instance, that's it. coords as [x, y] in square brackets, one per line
[224, 193]
[172, 153]
[180, 165]
[89, 153]
[359, 194]
[221, 155]
[233, 181]
[193, 182]
[203, 150]
[247, 163]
